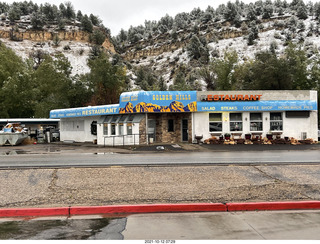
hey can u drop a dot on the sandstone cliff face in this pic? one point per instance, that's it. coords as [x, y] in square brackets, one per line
[169, 47]
[45, 36]
[162, 43]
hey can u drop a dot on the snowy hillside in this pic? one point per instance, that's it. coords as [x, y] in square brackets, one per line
[269, 34]
[76, 52]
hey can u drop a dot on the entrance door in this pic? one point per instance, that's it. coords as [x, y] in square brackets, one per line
[152, 130]
[185, 132]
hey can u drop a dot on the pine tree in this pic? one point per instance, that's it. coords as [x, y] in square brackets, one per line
[95, 20]
[253, 33]
[69, 12]
[181, 21]
[98, 37]
[50, 12]
[37, 21]
[86, 24]
[267, 11]
[79, 15]
[180, 83]
[231, 11]
[198, 50]
[302, 12]
[251, 16]
[14, 14]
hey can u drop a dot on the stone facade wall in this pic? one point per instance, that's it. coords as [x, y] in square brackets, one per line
[162, 134]
[142, 131]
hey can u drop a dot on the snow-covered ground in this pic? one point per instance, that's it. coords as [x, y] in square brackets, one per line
[77, 55]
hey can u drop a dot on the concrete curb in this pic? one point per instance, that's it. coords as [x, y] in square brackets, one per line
[159, 208]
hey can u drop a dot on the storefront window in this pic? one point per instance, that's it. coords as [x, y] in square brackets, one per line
[215, 122]
[105, 129]
[236, 122]
[276, 122]
[121, 129]
[129, 128]
[113, 129]
[256, 122]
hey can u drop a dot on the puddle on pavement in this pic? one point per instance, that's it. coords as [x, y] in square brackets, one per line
[66, 229]
[14, 152]
[103, 153]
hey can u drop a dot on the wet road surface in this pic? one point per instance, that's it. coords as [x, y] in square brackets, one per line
[189, 158]
[90, 228]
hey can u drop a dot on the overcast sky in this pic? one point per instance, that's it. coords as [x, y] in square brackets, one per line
[117, 14]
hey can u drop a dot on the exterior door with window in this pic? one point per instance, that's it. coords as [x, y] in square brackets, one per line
[151, 130]
[185, 132]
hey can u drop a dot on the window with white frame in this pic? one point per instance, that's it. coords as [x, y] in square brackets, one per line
[121, 125]
[129, 128]
[121, 131]
[256, 123]
[276, 122]
[235, 121]
[105, 129]
[215, 122]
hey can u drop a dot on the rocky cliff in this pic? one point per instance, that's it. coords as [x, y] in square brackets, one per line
[47, 36]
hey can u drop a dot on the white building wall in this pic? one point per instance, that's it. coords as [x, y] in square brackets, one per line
[292, 127]
[118, 140]
[77, 129]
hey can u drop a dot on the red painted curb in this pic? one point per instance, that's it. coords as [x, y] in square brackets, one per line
[28, 212]
[272, 206]
[158, 208]
[149, 208]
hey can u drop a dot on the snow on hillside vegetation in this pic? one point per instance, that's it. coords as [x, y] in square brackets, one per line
[76, 52]
[268, 34]
[27, 27]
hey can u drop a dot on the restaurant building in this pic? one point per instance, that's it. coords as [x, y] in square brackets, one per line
[145, 117]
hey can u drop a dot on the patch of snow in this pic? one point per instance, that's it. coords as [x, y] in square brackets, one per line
[77, 56]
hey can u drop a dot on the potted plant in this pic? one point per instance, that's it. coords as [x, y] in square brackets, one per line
[247, 136]
[269, 136]
[227, 136]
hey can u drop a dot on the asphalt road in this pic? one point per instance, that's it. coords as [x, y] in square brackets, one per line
[161, 158]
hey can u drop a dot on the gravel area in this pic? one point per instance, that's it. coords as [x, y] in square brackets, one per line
[146, 185]
[140, 185]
